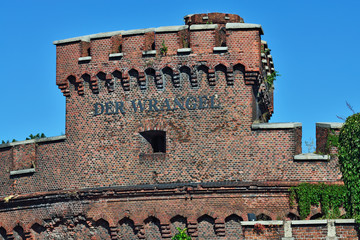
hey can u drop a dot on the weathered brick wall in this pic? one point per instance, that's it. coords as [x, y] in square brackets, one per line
[347, 231]
[104, 180]
[68, 221]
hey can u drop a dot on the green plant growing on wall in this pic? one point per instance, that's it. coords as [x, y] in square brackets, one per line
[331, 198]
[332, 141]
[181, 235]
[37, 136]
[271, 78]
[7, 141]
[349, 160]
[163, 49]
[266, 51]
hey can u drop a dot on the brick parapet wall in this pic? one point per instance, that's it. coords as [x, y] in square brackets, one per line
[323, 144]
[202, 43]
[71, 165]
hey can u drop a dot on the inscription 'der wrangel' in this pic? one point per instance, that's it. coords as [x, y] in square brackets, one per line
[154, 105]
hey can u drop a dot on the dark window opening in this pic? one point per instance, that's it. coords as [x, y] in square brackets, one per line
[88, 52]
[157, 139]
[153, 46]
[223, 37]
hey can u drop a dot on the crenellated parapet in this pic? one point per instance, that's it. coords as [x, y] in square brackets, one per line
[191, 56]
[185, 45]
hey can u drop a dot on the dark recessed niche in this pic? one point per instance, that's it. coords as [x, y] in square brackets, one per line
[157, 139]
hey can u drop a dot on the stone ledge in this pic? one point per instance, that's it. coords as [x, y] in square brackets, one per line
[83, 59]
[22, 171]
[87, 38]
[241, 26]
[39, 140]
[342, 221]
[252, 223]
[308, 222]
[171, 28]
[148, 53]
[311, 157]
[332, 125]
[184, 50]
[137, 31]
[105, 35]
[114, 55]
[196, 27]
[220, 49]
[275, 125]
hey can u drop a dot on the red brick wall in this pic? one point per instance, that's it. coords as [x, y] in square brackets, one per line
[24, 156]
[251, 170]
[347, 231]
[203, 145]
[270, 232]
[310, 232]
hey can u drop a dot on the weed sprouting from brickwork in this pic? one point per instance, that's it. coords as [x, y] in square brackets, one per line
[181, 235]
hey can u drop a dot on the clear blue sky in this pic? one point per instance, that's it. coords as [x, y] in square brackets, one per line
[315, 46]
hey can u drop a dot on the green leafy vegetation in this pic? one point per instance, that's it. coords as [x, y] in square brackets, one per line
[266, 51]
[181, 235]
[31, 136]
[163, 49]
[349, 160]
[37, 136]
[7, 141]
[332, 141]
[271, 78]
[331, 198]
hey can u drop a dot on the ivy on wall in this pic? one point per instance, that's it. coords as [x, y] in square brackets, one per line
[349, 159]
[330, 197]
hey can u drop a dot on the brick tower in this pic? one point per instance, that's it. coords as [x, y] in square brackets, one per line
[165, 127]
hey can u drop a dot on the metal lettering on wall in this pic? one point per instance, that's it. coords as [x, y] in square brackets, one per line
[154, 105]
